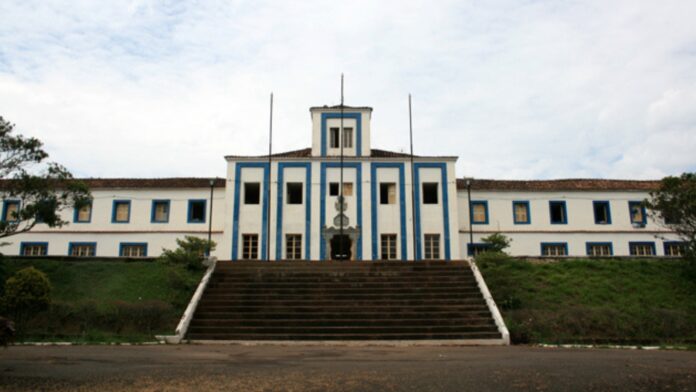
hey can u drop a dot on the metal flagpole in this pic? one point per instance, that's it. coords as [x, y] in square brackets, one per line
[268, 185]
[413, 181]
[341, 139]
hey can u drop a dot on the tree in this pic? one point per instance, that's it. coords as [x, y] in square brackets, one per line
[42, 189]
[674, 205]
[28, 291]
[191, 252]
[496, 242]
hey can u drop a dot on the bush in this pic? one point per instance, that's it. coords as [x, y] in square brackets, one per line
[191, 252]
[496, 242]
[28, 291]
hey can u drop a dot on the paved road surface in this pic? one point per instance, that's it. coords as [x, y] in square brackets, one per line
[322, 368]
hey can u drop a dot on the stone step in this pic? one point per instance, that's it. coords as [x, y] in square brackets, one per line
[349, 309]
[343, 302]
[313, 292]
[347, 336]
[326, 329]
[344, 322]
[259, 314]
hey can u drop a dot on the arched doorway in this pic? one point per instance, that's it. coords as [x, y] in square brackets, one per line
[341, 247]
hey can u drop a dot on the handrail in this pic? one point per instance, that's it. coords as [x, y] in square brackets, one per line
[492, 307]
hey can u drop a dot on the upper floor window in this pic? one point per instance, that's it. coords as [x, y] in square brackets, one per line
[121, 211]
[479, 212]
[387, 193]
[520, 212]
[334, 137]
[347, 189]
[10, 211]
[602, 214]
[252, 192]
[557, 212]
[294, 192]
[347, 137]
[430, 193]
[160, 211]
[637, 211]
[83, 214]
[196, 211]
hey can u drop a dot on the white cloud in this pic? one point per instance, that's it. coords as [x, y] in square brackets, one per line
[515, 89]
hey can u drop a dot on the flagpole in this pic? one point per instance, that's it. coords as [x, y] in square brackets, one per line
[413, 181]
[341, 140]
[268, 185]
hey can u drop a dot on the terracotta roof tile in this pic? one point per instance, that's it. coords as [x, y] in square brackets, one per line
[174, 182]
[570, 184]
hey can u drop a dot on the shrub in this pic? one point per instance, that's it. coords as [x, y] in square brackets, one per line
[28, 291]
[191, 252]
[496, 242]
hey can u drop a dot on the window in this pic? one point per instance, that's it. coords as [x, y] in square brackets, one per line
[293, 246]
[250, 246]
[675, 248]
[347, 137]
[252, 192]
[637, 211]
[294, 192]
[333, 189]
[333, 138]
[33, 248]
[520, 212]
[121, 211]
[479, 212]
[10, 211]
[432, 246]
[388, 248]
[430, 193]
[160, 211]
[133, 249]
[83, 214]
[476, 248]
[554, 249]
[82, 249]
[641, 248]
[602, 214]
[387, 193]
[599, 249]
[557, 211]
[196, 211]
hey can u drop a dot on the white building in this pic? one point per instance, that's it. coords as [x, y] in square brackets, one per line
[299, 218]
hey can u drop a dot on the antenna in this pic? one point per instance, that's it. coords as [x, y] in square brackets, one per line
[413, 181]
[268, 185]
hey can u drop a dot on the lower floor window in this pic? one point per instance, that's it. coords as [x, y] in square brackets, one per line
[641, 248]
[293, 246]
[599, 249]
[34, 249]
[476, 249]
[432, 246]
[250, 246]
[555, 249]
[675, 248]
[83, 249]
[388, 248]
[133, 250]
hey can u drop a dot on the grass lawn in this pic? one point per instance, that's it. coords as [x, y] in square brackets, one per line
[108, 300]
[625, 301]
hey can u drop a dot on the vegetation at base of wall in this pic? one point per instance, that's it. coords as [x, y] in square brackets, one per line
[597, 301]
[114, 301]
[191, 252]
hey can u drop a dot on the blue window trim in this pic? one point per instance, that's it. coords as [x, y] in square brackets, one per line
[264, 207]
[644, 221]
[529, 212]
[122, 244]
[564, 244]
[24, 244]
[445, 206]
[483, 203]
[73, 244]
[358, 130]
[76, 214]
[608, 205]
[205, 210]
[307, 199]
[470, 247]
[152, 212]
[113, 211]
[5, 204]
[402, 206]
[565, 211]
[665, 244]
[322, 203]
[591, 243]
[650, 243]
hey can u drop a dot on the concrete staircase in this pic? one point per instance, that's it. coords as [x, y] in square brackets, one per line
[330, 301]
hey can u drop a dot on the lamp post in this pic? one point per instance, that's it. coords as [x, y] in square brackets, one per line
[210, 218]
[471, 233]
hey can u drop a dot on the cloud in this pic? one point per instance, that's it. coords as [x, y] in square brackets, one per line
[529, 89]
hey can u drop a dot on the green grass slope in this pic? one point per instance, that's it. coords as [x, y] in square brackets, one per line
[594, 301]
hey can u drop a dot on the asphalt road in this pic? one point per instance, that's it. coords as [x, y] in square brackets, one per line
[326, 368]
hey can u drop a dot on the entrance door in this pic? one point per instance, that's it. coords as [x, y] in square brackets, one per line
[341, 247]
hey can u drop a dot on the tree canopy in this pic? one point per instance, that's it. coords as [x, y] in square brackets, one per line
[40, 189]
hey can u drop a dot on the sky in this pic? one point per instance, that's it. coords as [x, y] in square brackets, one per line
[516, 89]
